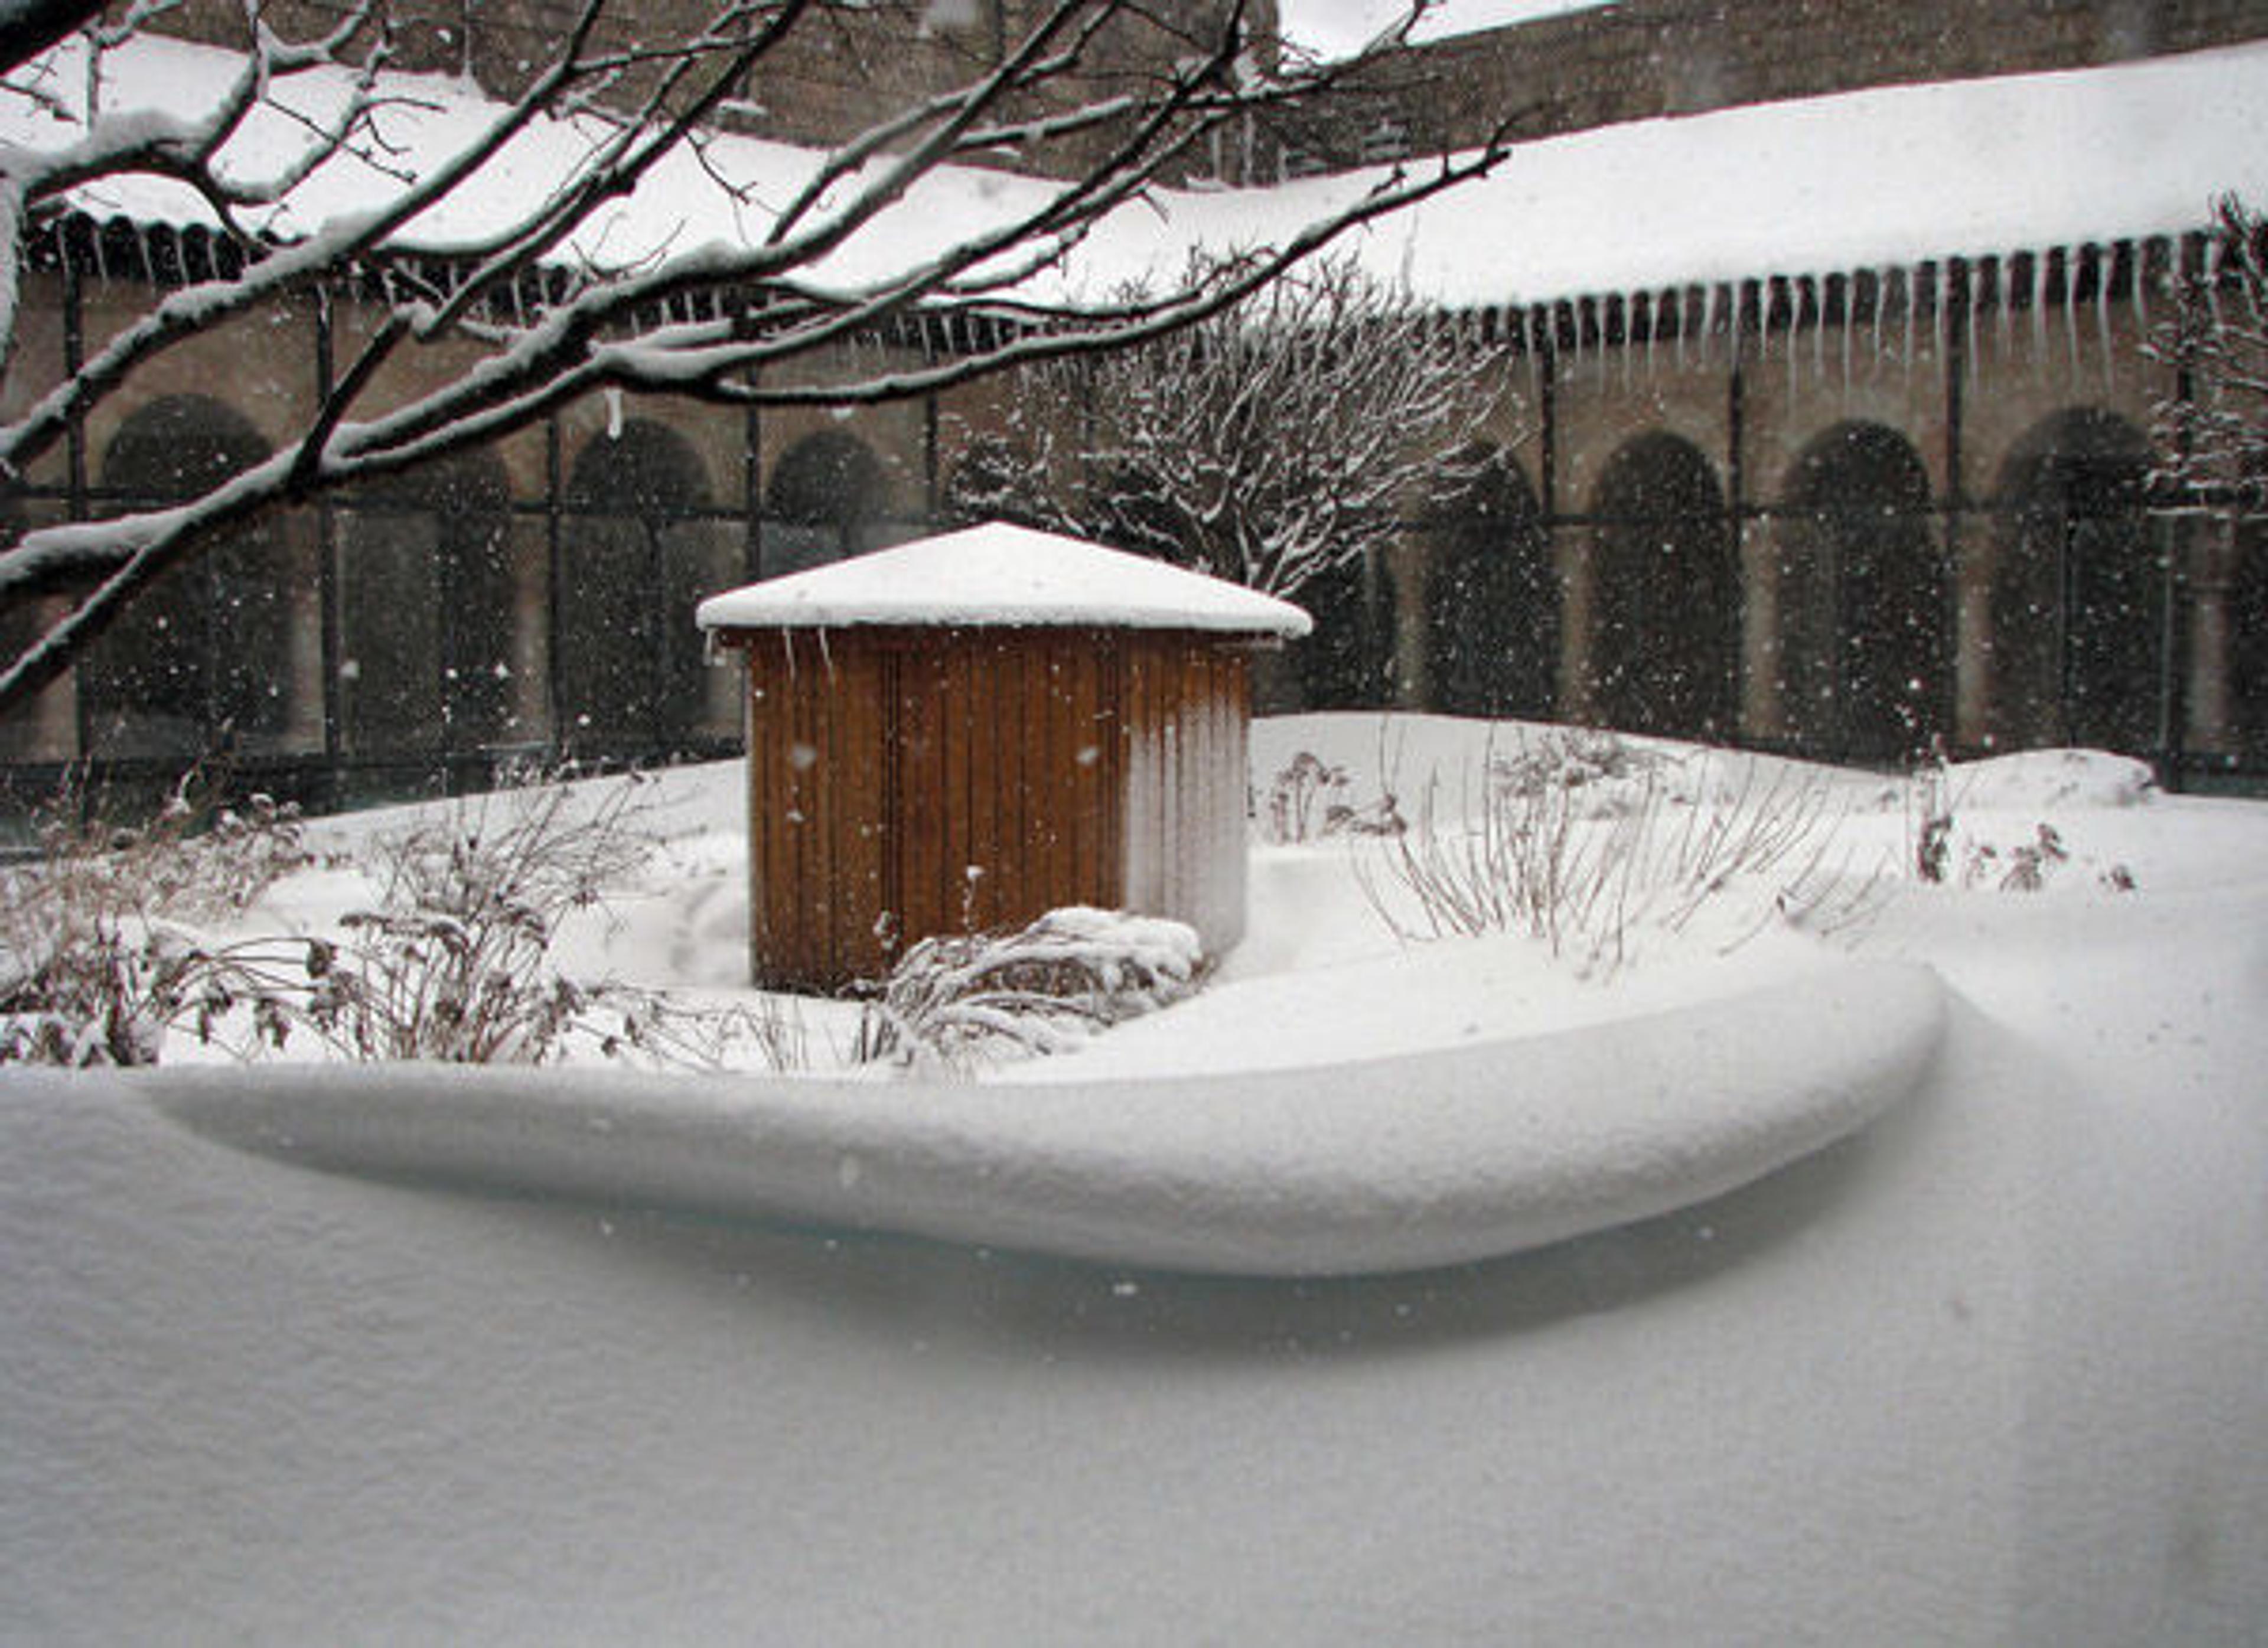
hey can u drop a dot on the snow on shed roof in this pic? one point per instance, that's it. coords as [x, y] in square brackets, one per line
[1000, 576]
[1859, 180]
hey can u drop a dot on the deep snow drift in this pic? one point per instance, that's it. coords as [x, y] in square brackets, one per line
[1986, 1372]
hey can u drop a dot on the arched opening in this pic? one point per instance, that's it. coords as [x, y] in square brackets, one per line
[426, 601]
[1665, 595]
[636, 560]
[199, 661]
[1346, 662]
[826, 497]
[1491, 598]
[2077, 589]
[1865, 600]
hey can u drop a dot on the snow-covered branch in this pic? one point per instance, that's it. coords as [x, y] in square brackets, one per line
[2212, 431]
[552, 229]
[1268, 444]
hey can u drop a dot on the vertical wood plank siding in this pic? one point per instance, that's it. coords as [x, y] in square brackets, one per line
[908, 782]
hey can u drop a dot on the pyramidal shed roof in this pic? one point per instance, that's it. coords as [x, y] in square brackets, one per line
[996, 575]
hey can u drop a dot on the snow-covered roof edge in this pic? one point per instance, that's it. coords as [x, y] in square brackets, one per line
[998, 576]
[1885, 176]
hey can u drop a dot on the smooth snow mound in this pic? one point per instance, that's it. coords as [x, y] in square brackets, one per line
[2049, 778]
[1431, 1158]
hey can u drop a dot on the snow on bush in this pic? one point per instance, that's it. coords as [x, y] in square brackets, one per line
[1943, 851]
[1579, 840]
[1311, 797]
[1042, 990]
[456, 962]
[95, 963]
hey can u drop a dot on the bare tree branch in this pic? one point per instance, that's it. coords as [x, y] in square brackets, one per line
[1267, 446]
[597, 123]
[2212, 433]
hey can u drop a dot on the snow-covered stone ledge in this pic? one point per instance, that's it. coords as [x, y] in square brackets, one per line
[1438, 1158]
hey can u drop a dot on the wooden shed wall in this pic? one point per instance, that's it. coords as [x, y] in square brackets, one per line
[904, 783]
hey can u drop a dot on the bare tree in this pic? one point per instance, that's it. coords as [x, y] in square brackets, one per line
[1269, 445]
[2213, 432]
[538, 285]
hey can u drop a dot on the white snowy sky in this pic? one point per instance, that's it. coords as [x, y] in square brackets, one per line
[1336, 27]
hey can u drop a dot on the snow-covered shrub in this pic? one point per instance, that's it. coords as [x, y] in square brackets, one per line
[94, 968]
[1573, 758]
[1042, 990]
[1940, 854]
[455, 962]
[1310, 798]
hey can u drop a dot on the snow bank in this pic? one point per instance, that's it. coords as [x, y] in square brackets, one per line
[2049, 778]
[1389, 1164]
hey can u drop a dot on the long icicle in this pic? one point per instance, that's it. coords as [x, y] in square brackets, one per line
[1975, 297]
[1881, 303]
[2103, 270]
[1943, 292]
[1850, 298]
[2004, 300]
[1913, 302]
[1795, 326]
[1815, 287]
[2039, 307]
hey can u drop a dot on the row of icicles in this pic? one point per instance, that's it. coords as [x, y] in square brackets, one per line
[2008, 319]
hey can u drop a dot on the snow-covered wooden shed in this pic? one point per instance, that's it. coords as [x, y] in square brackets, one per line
[962, 732]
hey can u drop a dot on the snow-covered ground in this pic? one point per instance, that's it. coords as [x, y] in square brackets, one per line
[1985, 1369]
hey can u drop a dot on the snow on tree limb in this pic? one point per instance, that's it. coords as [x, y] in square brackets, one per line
[2213, 432]
[1265, 445]
[828, 260]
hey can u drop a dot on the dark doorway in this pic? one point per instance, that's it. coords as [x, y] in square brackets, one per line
[824, 500]
[2077, 598]
[426, 600]
[637, 560]
[1491, 598]
[1665, 594]
[199, 661]
[1865, 601]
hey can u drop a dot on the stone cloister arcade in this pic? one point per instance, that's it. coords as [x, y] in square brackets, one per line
[1844, 516]
[1847, 518]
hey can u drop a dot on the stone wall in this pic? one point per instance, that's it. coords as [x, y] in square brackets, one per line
[842, 68]
[1640, 59]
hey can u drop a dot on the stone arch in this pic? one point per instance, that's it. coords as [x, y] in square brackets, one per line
[628, 663]
[1346, 662]
[1866, 600]
[426, 604]
[199, 660]
[1491, 596]
[2077, 589]
[1664, 592]
[826, 495]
